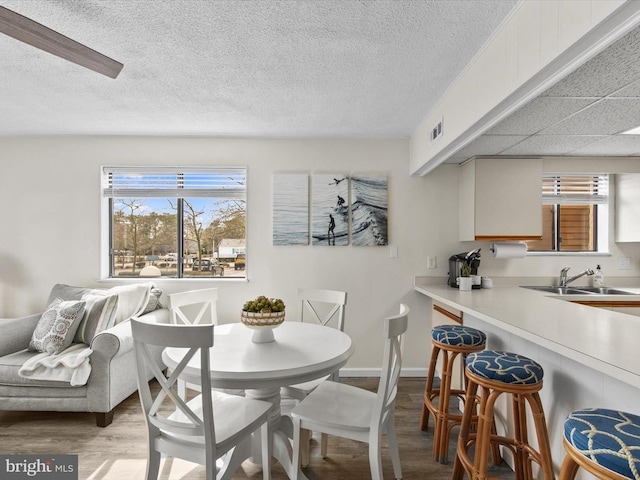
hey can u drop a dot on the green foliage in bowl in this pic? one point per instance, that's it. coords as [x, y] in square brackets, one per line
[263, 304]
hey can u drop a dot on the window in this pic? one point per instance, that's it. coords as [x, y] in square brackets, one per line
[175, 222]
[574, 213]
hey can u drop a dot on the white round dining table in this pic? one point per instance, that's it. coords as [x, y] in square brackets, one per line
[299, 353]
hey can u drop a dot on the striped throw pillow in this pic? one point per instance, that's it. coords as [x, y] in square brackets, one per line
[99, 314]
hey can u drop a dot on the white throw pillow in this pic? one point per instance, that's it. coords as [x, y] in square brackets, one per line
[57, 326]
[132, 299]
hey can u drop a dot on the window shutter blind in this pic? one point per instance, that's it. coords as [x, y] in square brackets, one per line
[575, 189]
[183, 182]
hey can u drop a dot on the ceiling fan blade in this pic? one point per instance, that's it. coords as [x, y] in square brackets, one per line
[37, 35]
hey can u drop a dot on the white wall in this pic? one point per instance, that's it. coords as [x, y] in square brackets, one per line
[50, 192]
[50, 228]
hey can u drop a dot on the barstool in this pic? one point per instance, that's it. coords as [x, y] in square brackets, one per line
[606, 443]
[495, 373]
[451, 340]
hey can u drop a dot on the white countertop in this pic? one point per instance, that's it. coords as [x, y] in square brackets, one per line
[602, 339]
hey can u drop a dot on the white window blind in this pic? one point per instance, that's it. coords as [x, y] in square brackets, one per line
[175, 182]
[575, 189]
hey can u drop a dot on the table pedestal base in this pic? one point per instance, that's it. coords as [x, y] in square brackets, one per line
[281, 432]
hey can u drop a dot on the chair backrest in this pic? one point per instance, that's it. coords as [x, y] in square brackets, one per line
[190, 308]
[322, 306]
[394, 329]
[166, 414]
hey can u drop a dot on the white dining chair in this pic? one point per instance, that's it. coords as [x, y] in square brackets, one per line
[354, 413]
[208, 427]
[324, 307]
[194, 307]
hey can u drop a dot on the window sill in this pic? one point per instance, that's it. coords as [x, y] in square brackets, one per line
[161, 280]
[568, 254]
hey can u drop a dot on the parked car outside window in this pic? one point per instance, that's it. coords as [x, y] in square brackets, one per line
[240, 261]
[206, 265]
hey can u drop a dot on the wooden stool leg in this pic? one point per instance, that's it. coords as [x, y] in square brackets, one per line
[462, 458]
[520, 435]
[569, 469]
[428, 391]
[544, 448]
[483, 434]
[445, 401]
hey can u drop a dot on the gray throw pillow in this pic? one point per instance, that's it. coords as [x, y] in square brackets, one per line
[99, 314]
[57, 326]
[67, 292]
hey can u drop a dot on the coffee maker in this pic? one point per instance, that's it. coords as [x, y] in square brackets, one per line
[455, 266]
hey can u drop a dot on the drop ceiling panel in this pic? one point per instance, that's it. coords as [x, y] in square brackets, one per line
[610, 70]
[616, 145]
[551, 144]
[489, 145]
[539, 114]
[631, 90]
[608, 116]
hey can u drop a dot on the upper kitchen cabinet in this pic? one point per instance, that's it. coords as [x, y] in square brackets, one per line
[501, 199]
[627, 207]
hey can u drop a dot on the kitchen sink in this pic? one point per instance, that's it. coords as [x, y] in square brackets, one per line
[605, 291]
[578, 290]
[557, 290]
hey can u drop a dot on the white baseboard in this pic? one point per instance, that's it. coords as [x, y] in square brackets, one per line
[375, 372]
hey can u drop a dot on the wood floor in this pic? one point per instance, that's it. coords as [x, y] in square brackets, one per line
[118, 452]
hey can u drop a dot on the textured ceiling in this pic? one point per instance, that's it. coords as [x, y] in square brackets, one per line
[342, 68]
[582, 115]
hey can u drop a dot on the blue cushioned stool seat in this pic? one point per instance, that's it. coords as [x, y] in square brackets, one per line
[458, 335]
[505, 367]
[607, 437]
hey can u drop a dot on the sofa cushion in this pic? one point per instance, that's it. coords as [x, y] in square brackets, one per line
[66, 292]
[57, 326]
[99, 314]
[10, 366]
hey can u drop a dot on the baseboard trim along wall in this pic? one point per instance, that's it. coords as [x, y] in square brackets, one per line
[375, 372]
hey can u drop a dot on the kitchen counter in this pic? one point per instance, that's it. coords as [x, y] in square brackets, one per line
[604, 340]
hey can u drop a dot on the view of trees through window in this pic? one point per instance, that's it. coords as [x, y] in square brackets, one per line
[178, 237]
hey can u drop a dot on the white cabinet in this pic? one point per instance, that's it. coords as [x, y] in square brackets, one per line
[501, 199]
[627, 207]
[446, 315]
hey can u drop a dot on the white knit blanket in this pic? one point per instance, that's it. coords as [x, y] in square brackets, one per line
[71, 366]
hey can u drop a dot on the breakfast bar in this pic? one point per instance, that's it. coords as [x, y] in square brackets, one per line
[589, 354]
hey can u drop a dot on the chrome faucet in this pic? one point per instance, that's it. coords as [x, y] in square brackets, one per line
[564, 281]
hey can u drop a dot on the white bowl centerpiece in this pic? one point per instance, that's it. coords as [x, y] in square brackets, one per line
[263, 315]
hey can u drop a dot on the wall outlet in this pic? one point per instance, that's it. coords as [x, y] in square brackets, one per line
[393, 252]
[431, 262]
[624, 263]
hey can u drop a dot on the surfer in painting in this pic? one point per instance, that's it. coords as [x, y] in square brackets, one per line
[340, 201]
[331, 233]
[336, 181]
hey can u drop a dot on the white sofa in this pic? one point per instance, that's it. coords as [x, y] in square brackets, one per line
[112, 377]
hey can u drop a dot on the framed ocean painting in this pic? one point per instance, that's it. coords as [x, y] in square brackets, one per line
[330, 209]
[369, 207]
[290, 209]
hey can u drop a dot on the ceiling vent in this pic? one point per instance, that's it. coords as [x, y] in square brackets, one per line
[436, 131]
